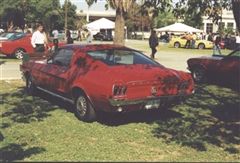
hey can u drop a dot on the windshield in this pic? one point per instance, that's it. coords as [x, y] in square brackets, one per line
[16, 36]
[7, 35]
[121, 57]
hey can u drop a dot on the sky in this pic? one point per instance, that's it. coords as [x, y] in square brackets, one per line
[99, 6]
[82, 5]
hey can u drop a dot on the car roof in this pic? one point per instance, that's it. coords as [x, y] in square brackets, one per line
[89, 47]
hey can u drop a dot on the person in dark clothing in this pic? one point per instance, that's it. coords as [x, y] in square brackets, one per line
[216, 48]
[153, 43]
[210, 37]
[69, 38]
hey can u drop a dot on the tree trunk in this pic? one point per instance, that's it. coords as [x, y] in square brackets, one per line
[236, 13]
[119, 28]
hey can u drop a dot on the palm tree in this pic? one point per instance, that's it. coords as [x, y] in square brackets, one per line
[121, 7]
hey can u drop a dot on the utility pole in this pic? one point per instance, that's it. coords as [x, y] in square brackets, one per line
[66, 15]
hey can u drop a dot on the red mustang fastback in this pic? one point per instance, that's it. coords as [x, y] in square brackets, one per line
[218, 69]
[18, 45]
[106, 78]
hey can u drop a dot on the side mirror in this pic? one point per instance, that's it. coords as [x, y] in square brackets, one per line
[81, 62]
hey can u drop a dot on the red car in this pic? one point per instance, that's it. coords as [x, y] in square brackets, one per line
[218, 68]
[107, 78]
[18, 45]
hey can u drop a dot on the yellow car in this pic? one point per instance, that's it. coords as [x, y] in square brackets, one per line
[179, 42]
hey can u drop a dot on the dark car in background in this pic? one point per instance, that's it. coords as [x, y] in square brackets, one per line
[219, 69]
[102, 37]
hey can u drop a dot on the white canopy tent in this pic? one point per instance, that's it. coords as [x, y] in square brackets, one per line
[102, 23]
[178, 27]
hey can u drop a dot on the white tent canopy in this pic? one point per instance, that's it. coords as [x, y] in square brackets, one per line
[102, 23]
[178, 27]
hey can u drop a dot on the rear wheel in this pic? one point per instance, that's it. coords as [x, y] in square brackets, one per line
[201, 46]
[19, 53]
[198, 74]
[84, 109]
[177, 45]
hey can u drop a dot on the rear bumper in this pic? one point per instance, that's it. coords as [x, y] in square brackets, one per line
[147, 103]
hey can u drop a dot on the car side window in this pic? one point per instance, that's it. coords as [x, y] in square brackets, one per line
[63, 57]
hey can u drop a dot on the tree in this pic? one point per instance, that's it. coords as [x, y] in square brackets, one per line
[49, 12]
[211, 8]
[121, 7]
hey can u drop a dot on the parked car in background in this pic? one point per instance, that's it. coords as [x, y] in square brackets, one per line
[19, 44]
[218, 68]
[102, 37]
[106, 78]
[179, 42]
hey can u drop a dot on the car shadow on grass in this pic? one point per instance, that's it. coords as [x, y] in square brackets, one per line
[211, 116]
[13, 152]
[22, 108]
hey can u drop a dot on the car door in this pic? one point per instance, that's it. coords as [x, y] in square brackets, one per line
[58, 70]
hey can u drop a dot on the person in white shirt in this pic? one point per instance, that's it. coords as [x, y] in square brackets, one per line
[39, 41]
[55, 38]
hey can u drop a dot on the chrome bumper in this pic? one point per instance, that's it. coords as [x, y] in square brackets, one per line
[148, 102]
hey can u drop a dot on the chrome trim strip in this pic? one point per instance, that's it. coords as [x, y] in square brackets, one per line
[56, 95]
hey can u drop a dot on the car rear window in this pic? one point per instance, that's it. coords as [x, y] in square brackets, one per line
[121, 57]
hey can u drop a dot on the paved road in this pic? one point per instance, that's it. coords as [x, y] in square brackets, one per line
[9, 70]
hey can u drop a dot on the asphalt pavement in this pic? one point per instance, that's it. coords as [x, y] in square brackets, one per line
[9, 70]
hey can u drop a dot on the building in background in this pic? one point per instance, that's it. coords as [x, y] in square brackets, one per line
[227, 22]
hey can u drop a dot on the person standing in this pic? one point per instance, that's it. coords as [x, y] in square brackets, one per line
[237, 41]
[216, 48]
[188, 42]
[153, 43]
[69, 38]
[89, 36]
[38, 40]
[194, 38]
[55, 39]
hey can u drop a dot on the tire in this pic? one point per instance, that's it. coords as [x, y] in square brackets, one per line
[84, 110]
[19, 53]
[177, 45]
[199, 75]
[201, 46]
[30, 86]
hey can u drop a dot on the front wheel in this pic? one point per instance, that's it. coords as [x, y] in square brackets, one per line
[84, 109]
[198, 75]
[30, 86]
[201, 46]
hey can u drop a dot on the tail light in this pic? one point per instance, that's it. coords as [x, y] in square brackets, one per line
[119, 90]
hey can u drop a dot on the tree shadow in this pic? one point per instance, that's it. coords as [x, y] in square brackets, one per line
[211, 116]
[25, 109]
[14, 152]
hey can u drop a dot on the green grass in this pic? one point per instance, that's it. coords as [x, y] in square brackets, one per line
[204, 128]
[143, 46]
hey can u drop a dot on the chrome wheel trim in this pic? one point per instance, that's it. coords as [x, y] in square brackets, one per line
[198, 75]
[81, 105]
[176, 45]
[19, 54]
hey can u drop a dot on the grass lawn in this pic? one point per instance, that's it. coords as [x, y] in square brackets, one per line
[142, 45]
[204, 128]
